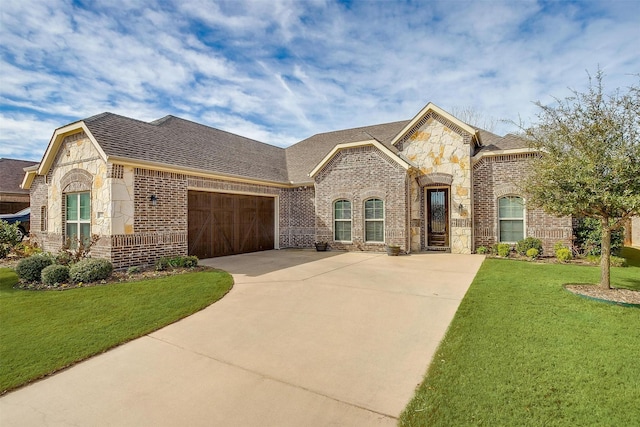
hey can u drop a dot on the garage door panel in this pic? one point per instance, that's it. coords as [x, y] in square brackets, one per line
[225, 224]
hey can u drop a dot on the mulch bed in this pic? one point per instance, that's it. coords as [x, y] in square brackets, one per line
[624, 296]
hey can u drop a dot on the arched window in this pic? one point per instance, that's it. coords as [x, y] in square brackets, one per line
[374, 220]
[342, 220]
[511, 218]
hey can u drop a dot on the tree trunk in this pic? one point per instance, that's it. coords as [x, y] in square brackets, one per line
[605, 258]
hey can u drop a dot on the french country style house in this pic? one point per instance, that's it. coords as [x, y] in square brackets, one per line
[175, 187]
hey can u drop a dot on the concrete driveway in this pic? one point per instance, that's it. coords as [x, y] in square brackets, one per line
[303, 339]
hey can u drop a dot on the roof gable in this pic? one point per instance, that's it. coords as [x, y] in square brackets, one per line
[414, 124]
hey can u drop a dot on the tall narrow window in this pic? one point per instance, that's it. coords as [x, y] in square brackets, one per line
[374, 220]
[43, 218]
[78, 218]
[511, 218]
[342, 220]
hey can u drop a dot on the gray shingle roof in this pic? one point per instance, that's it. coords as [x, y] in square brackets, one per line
[185, 144]
[182, 143]
[305, 155]
[492, 142]
[11, 175]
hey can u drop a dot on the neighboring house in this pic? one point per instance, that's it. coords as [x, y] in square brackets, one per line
[12, 197]
[174, 187]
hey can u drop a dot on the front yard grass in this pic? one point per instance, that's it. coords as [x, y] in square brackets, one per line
[44, 331]
[523, 351]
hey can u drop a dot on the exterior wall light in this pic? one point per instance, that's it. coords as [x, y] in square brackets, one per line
[154, 199]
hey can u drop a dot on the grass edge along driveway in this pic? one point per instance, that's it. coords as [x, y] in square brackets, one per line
[521, 350]
[42, 332]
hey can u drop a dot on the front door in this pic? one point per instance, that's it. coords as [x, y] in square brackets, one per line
[438, 217]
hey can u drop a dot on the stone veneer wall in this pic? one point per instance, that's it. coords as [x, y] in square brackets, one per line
[358, 174]
[498, 176]
[297, 217]
[438, 146]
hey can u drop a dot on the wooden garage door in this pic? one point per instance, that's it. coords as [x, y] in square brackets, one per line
[226, 224]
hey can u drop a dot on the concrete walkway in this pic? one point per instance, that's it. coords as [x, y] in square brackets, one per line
[303, 339]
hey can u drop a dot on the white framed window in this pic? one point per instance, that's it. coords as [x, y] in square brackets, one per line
[374, 220]
[511, 219]
[78, 218]
[342, 220]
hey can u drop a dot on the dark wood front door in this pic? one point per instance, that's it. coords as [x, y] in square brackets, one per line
[227, 224]
[438, 217]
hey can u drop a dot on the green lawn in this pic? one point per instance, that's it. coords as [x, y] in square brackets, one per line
[522, 351]
[44, 331]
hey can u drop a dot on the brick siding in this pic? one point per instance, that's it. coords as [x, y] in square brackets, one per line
[498, 176]
[358, 174]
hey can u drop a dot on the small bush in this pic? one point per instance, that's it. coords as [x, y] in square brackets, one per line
[26, 249]
[54, 274]
[30, 269]
[10, 234]
[4, 250]
[482, 250]
[90, 270]
[614, 261]
[503, 249]
[563, 254]
[179, 261]
[532, 253]
[63, 258]
[133, 270]
[529, 243]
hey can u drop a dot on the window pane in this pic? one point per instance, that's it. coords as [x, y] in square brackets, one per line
[72, 234]
[374, 231]
[342, 209]
[373, 209]
[72, 207]
[85, 233]
[85, 206]
[511, 231]
[343, 230]
[511, 207]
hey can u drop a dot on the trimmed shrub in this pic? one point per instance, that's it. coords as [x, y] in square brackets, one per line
[503, 249]
[614, 261]
[563, 254]
[55, 274]
[529, 243]
[532, 253]
[179, 261]
[482, 250]
[90, 270]
[30, 269]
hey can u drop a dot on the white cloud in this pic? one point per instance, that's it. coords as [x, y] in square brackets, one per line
[280, 71]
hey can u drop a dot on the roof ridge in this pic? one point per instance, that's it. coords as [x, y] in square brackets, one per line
[360, 128]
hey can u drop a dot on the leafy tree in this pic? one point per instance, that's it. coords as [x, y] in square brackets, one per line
[590, 159]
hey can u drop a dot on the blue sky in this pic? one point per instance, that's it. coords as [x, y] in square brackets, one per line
[281, 70]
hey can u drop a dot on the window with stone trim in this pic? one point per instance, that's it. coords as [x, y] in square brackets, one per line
[342, 220]
[78, 218]
[374, 220]
[511, 219]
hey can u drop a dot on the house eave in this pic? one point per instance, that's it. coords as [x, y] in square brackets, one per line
[475, 159]
[164, 167]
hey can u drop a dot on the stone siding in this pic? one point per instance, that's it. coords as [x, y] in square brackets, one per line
[499, 176]
[357, 174]
[440, 148]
